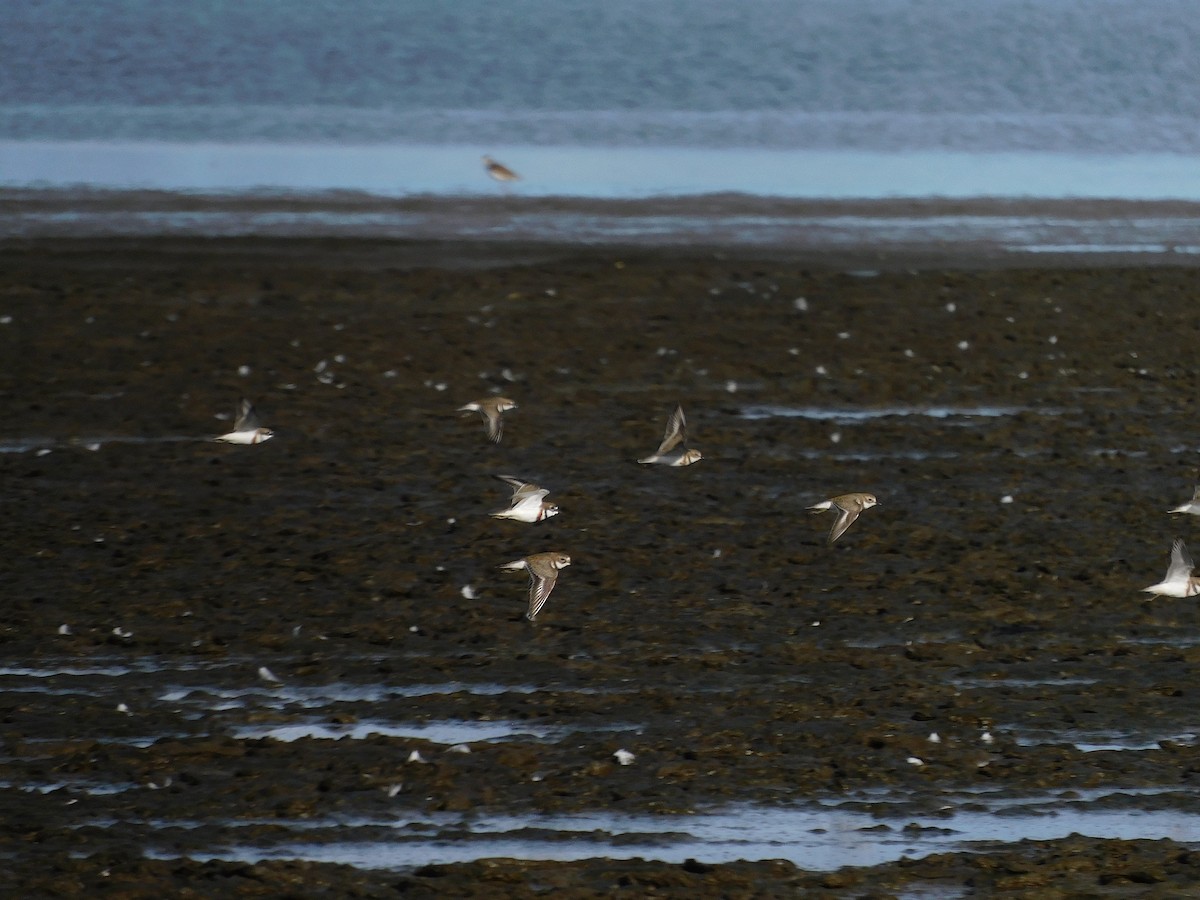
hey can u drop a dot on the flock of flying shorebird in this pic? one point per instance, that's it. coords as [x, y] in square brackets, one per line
[529, 504]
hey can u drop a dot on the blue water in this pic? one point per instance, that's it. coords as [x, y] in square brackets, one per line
[600, 99]
[1064, 75]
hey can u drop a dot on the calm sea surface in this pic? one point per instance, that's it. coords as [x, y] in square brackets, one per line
[614, 99]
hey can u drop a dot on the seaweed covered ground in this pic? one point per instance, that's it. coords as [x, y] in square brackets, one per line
[295, 669]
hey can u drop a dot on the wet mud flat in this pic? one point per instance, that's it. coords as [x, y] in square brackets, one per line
[965, 694]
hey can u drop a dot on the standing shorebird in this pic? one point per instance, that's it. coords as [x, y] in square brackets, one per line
[1179, 580]
[543, 571]
[499, 171]
[673, 449]
[490, 408]
[849, 506]
[529, 503]
[247, 429]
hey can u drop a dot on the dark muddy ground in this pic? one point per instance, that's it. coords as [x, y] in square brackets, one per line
[1026, 432]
